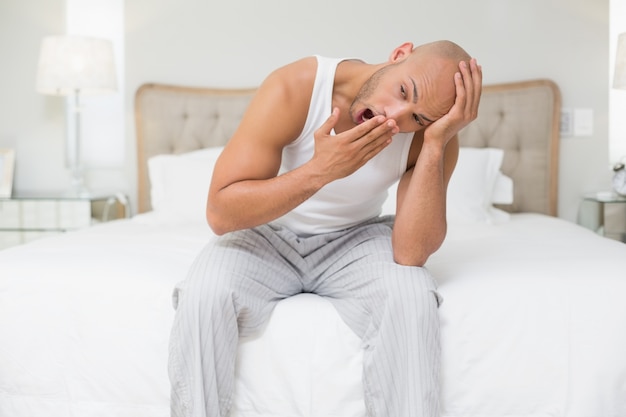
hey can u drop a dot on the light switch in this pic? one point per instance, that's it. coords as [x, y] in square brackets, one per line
[583, 122]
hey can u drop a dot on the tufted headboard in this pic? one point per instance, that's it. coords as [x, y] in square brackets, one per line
[175, 119]
[522, 118]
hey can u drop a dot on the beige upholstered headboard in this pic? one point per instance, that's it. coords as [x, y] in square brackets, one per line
[175, 119]
[522, 118]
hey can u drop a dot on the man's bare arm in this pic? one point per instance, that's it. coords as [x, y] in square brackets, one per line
[421, 226]
[246, 190]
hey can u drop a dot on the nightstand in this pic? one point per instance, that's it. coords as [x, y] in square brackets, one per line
[29, 216]
[592, 211]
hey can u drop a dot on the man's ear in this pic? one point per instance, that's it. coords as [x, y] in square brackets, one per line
[401, 52]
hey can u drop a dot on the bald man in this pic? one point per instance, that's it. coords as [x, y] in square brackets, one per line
[296, 199]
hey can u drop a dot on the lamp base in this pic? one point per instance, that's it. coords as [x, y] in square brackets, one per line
[72, 149]
[77, 186]
[81, 192]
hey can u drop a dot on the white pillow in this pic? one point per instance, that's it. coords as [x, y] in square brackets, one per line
[502, 190]
[476, 184]
[179, 184]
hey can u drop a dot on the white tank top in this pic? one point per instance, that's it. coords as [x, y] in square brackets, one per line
[347, 201]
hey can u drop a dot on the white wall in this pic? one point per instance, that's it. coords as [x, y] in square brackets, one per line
[34, 124]
[30, 123]
[235, 43]
[103, 131]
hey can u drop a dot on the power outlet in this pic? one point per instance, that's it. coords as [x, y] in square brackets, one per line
[567, 123]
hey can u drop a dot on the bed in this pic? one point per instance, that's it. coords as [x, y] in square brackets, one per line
[533, 318]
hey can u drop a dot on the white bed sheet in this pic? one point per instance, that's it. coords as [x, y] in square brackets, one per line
[84, 320]
[534, 320]
[533, 324]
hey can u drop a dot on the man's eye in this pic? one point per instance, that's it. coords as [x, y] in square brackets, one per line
[417, 120]
[402, 91]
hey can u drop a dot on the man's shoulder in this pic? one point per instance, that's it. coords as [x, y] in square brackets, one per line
[297, 73]
[293, 82]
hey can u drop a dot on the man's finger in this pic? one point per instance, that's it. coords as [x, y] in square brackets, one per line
[477, 77]
[468, 81]
[366, 127]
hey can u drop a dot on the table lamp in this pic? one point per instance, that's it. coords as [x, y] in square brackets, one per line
[619, 81]
[71, 66]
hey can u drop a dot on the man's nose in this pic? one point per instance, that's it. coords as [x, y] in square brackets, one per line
[397, 112]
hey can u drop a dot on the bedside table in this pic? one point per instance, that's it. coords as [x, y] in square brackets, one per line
[28, 216]
[592, 210]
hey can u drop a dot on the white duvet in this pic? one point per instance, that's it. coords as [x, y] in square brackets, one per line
[533, 324]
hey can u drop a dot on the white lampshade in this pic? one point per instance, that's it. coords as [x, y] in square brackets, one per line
[619, 78]
[68, 64]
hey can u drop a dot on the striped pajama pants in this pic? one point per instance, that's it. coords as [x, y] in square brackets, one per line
[237, 279]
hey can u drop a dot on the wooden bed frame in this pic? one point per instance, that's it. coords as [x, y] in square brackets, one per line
[520, 117]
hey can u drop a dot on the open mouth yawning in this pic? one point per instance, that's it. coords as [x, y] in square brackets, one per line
[365, 116]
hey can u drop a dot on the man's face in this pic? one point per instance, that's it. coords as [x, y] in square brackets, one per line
[413, 92]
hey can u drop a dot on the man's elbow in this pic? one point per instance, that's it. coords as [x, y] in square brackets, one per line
[415, 254]
[411, 259]
[216, 222]
[216, 228]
